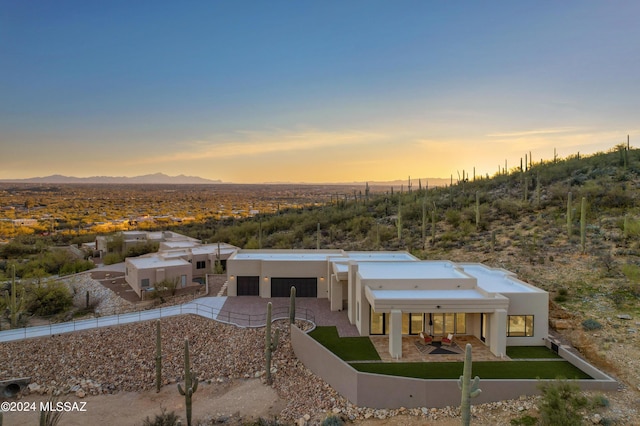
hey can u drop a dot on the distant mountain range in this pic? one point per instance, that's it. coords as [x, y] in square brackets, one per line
[156, 178]
[161, 178]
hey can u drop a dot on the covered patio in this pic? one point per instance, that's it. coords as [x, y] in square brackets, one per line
[412, 353]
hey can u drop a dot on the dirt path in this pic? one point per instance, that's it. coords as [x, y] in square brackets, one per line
[251, 398]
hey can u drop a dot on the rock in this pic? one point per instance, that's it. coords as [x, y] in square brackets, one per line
[33, 387]
[624, 316]
[306, 417]
[336, 410]
[81, 393]
[560, 324]
[596, 419]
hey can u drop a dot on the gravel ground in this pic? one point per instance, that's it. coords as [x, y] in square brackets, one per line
[121, 359]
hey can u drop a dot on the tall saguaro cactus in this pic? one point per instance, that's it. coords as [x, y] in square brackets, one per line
[14, 303]
[292, 305]
[477, 210]
[399, 220]
[583, 224]
[569, 216]
[470, 389]
[158, 357]
[270, 344]
[190, 383]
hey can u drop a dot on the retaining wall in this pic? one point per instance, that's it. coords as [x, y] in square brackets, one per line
[382, 391]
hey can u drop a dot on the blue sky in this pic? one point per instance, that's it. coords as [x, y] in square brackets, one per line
[330, 91]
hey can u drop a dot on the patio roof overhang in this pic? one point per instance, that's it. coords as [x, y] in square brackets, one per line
[463, 300]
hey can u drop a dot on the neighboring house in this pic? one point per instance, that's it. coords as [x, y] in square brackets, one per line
[185, 262]
[24, 222]
[396, 294]
[130, 239]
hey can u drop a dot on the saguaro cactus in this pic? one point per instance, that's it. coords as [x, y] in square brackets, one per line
[158, 357]
[469, 389]
[399, 220]
[292, 305]
[270, 343]
[583, 224]
[190, 382]
[14, 303]
[477, 210]
[569, 216]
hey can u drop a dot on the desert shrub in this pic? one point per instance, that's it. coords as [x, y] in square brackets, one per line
[631, 271]
[162, 419]
[561, 404]
[49, 299]
[453, 217]
[591, 324]
[111, 258]
[525, 420]
[332, 421]
[140, 249]
[599, 401]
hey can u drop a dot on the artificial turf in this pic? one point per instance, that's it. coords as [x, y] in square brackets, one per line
[484, 369]
[346, 348]
[530, 352]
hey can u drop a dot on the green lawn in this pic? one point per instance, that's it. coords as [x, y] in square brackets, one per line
[530, 352]
[347, 348]
[485, 370]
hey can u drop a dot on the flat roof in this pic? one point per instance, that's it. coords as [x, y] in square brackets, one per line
[410, 270]
[426, 294]
[156, 262]
[497, 280]
[289, 255]
[380, 255]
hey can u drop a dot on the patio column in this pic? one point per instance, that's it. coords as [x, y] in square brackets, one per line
[498, 334]
[395, 333]
[335, 293]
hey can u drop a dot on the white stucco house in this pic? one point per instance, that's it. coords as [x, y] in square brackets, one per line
[396, 294]
[185, 262]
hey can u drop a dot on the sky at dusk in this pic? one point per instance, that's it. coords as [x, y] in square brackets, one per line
[313, 91]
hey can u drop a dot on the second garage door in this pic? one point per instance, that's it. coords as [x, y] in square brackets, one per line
[305, 287]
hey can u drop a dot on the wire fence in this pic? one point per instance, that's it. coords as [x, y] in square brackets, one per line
[238, 319]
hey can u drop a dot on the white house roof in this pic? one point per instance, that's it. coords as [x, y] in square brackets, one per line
[410, 270]
[380, 255]
[427, 294]
[155, 262]
[497, 280]
[454, 300]
[285, 255]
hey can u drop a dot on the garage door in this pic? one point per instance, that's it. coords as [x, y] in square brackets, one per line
[305, 287]
[248, 286]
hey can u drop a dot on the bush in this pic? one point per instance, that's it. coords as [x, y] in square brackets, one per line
[332, 421]
[111, 258]
[162, 419]
[591, 324]
[561, 403]
[526, 420]
[49, 299]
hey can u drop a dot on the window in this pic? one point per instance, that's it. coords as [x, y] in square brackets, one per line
[144, 283]
[520, 326]
[449, 324]
[201, 264]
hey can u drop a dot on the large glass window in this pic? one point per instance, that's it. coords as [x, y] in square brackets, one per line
[449, 324]
[520, 326]
[377, 323]
[417, 323]
[414, 323]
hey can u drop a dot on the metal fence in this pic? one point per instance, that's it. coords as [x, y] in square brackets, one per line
[235, 318]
